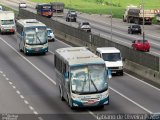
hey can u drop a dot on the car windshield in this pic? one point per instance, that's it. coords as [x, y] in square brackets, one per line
[49, 32]
[7, 22]
[85, 23]
[47, 8]
[88, 79]
[135, 26]
[141, 41]
[33, 37]
[111, 56]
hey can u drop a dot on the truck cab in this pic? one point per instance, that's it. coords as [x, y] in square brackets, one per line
[71, 16]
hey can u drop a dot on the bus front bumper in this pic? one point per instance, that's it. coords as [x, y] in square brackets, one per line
[102, 102]
[37, 50]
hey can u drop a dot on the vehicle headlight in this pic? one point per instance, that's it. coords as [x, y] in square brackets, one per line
[75, 97]
[45, 45]
[104, 95]
[28, 46]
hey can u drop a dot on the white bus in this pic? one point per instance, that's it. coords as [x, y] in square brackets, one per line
[82, 77]
[32, 36]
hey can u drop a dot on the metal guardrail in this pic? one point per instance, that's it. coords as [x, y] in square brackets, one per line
[142, 58]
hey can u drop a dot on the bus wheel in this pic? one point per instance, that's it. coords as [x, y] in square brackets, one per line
[25, 51]
[61, 93]
[20, 49]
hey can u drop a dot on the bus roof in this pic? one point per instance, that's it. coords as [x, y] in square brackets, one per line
[30, 22]
[78, 56]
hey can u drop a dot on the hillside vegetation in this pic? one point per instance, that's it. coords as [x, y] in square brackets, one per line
[104, 6]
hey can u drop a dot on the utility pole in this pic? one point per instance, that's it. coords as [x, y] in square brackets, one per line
[143, 20]
[111, 20]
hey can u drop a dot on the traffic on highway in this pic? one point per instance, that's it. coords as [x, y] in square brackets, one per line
[48, 74]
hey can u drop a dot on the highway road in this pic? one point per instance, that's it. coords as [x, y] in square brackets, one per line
[28, 86]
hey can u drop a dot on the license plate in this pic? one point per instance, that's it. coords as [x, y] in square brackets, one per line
[37, 49]
[91, 101]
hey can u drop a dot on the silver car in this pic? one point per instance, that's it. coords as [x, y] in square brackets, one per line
[50, 33]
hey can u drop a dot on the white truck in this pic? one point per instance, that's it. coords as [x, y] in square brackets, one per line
[134, 14]
[7, 22]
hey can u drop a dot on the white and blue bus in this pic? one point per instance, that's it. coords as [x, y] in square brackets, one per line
[32, 36]
[82, 77]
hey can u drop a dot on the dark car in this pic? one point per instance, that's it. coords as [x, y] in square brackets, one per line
[71, 16]
[141, 45]
[134, 29]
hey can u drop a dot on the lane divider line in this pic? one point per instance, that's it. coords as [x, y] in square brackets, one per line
[145, 109]
[29, 62]
[21, 96]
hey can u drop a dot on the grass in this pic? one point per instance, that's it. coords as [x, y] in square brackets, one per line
[104, 6]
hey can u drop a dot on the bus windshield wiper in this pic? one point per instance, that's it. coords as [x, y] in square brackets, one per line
[93, 83]
[39, 39]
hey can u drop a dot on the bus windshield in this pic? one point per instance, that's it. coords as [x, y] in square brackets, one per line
[47, 8]
[88, 79]
[7, 22]
[35, 38]
[111, 56]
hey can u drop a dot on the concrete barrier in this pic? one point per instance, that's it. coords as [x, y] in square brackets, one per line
[141, 63]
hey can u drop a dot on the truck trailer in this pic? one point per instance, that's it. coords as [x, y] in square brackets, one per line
[134, 14]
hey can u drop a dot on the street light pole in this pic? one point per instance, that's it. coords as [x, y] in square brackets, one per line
[111, 20]
[143, 20]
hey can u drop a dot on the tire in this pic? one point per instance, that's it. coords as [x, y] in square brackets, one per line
[61, 93]
[121, 73]
[25, 51]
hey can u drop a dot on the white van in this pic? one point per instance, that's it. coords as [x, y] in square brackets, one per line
[7, 22]
[112, 58]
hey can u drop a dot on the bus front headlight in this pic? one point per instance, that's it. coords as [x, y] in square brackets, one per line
[45, 45]
[28, 46]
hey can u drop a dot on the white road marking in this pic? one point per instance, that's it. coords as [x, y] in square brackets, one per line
[7, 79]
[29, 62]
[4, 75]
[14, 87]
[90, 112]
[142, 81]
[31, 108]
[10, 83]
[1, 72]
[35, 112]
[18, 92]
[145, 109]
[51, 52]
[26, 102]
[21, 96]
